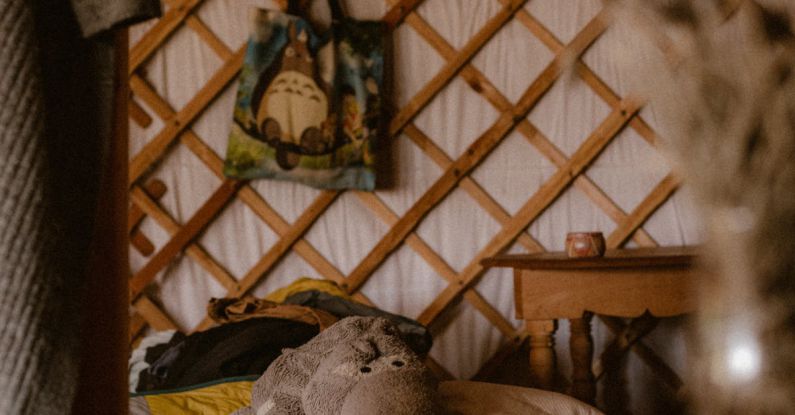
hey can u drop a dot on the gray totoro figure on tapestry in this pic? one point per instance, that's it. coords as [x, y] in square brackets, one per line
[357, 366]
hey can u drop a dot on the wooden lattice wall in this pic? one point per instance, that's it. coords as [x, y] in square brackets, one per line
[176, 131]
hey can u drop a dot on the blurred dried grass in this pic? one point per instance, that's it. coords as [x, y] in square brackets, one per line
[726, 88]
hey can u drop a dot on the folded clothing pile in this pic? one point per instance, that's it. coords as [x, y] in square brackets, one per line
[251, 334]
[234, 349]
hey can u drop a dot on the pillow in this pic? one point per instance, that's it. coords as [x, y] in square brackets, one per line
[477, 398]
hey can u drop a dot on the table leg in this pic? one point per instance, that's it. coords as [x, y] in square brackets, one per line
[542, 355]
[583, 386]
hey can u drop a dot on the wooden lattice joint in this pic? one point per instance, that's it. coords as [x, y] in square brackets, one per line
[155, 189]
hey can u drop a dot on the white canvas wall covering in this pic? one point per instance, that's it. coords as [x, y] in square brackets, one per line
[459, 227]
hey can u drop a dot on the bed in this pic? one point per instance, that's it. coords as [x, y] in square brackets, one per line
[216, 371]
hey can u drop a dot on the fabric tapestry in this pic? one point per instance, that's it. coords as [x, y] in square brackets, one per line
[308, 105]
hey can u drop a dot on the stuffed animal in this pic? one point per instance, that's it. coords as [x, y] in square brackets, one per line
[357, 366]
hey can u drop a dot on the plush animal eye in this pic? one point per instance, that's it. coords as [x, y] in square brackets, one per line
[365, 369]
[289, 52]
[398, 363]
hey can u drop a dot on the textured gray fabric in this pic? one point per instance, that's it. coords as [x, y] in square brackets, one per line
[55, 95]
[97, 16]
[24, 236]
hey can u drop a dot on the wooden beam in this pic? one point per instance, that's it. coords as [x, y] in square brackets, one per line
[154, 316]
[200, 220]
[155, 189]
[644, 210]
[104, 303]
[137, 325]
[138, 114]
[399, 10]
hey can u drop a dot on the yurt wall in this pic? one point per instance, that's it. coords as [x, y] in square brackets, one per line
[500, 142]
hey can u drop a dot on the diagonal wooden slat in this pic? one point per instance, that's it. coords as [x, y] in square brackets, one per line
[146, 93]
[153, 315]
[137, 325]
[138, 114]
[542, 199]
[492, 314]
[438, 370]
[644, 210]
[153, 151]
[194, 250]
[444, 76]
[207, 35]
[171, 21]
[399, 10]
[476, 152]
[141, 243]
[209, 38]
[278, 250]
[200, 220]
[155, 189]
[507, 349]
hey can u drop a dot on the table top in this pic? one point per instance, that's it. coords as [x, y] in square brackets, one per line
[681, 256]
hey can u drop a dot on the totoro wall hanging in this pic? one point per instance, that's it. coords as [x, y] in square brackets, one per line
[308, 106]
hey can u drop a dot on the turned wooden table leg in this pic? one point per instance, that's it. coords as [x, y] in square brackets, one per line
[583, 386]
[542, 355]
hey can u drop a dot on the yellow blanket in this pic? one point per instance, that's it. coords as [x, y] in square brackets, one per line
[305, 284]
[218, 399]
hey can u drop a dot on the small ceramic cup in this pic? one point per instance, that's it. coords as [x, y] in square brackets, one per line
[585, 244]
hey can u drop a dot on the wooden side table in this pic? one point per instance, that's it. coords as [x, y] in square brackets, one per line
[622, 283]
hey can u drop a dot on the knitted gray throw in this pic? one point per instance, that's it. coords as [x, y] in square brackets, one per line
[55, 91]
[37, 369]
